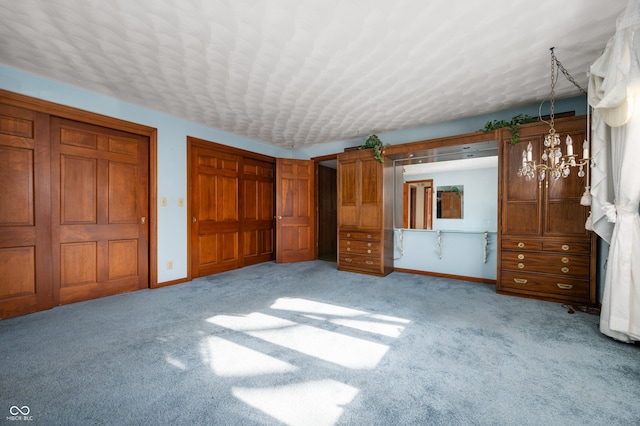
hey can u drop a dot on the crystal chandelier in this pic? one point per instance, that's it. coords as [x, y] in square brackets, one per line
[554, 162]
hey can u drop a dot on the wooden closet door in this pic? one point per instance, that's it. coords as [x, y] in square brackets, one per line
[295, 210]
[257, 211]
[215, 209]
[99, 211]
[25, 241]
[521, 199]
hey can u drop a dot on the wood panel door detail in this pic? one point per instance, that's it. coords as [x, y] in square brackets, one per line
[550, 207]
[360, 186]
[231, 206]
[257, 209]
[295, 210]
[25, 238]
[99, 211]
[215, 210]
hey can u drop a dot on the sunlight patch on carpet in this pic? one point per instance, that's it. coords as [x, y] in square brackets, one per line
[311, 403]
[346, 351]
[318, 335]
[313, 307]
[390, 330]
[229, 359]
[176, 363]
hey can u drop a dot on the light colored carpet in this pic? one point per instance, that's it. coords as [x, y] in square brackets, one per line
[305, 344]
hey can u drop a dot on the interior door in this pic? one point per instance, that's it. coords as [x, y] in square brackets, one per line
[215, 210]
[257, 211]
[295, 210]
[25, 238]
[99, 191]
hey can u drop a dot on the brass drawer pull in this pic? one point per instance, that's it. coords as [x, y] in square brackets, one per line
[348, 243]
[520, 280]
[565, 260]
[521, 265]
[369, 251]
[348, 248]
[368, 244]
[369, 236]
[369, 262]
[565, 286]
[521, 245]
[348, 235]
[521, 256]
[565, 247]
[565, 269]
[348, 259]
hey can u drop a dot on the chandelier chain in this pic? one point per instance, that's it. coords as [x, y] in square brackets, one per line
[565, 72]
[553, 88]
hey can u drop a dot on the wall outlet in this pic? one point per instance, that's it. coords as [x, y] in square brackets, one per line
[163, 201]
[169, 264]
[180, 202]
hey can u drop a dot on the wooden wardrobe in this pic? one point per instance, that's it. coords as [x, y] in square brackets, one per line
[544, 250]
[365, 223]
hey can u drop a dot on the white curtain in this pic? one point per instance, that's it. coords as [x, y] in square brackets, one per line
[614, 93]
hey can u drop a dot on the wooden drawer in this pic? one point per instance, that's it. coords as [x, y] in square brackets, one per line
[557, 264]
[354, 261]
[571, 247]
[571, 287]
[360, 235]
[360, 247]
[521, 244]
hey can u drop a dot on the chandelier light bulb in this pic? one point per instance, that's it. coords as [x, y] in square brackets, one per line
[569, 146]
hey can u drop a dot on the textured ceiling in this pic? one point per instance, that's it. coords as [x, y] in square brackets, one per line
[295, 73]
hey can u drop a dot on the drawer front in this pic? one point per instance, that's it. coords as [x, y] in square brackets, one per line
[570, 287]
[569, 247]
[360, 247]
[360, 235]
[521, 244]
[557, 264]
[364, 263]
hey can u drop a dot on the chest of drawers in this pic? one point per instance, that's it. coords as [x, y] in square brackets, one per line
[557, 270]
[360, 251]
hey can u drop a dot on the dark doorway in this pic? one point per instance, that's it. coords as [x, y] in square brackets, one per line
[327, 213]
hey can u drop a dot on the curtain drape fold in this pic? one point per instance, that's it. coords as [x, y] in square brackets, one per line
[614, 94]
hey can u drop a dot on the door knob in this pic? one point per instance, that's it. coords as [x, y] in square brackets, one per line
[277, 217]
[194, 219]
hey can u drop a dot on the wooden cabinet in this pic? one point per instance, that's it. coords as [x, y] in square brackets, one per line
[365, 234]
[544, 250]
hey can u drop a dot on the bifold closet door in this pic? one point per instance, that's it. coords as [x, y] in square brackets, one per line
[25, 267]
[99, 230]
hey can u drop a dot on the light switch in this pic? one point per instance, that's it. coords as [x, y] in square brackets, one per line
[163, 201]
[180, 202]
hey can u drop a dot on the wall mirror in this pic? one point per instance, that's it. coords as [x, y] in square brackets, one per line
[449, 201]
[447, 188]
